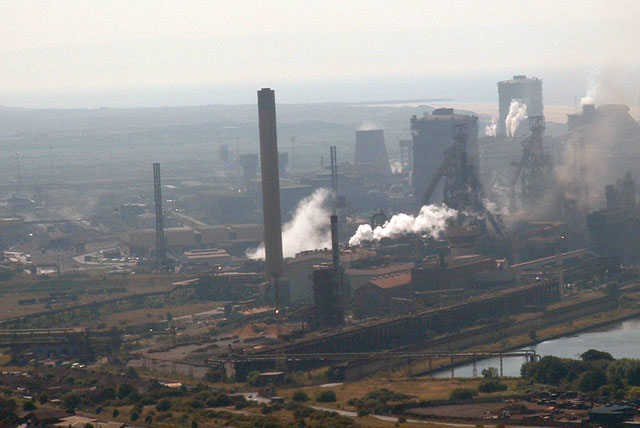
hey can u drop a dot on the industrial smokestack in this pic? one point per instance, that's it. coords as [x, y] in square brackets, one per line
[161, 249]
[335, 242]
[270, 185]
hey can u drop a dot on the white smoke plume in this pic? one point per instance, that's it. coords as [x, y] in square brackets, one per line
[368, 126]
[431, 221]
[517, 113]
[309, 229]
[590, 98]
[396, 167]
[492, 128]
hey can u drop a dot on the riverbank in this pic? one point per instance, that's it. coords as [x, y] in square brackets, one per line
[576, 313]
[570, 327]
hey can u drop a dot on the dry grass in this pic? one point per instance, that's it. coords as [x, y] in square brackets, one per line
[140, 316]
[421, 388]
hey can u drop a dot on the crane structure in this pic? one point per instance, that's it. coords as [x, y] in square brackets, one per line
[534, 170]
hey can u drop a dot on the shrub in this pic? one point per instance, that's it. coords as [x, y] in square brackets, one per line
[125, 390]
[163, 405]
[459, 394]
[28, 405]
[252, 378]
[218, 401]
[326, 397]
[300, 396]
[71, 401]
[489, 385]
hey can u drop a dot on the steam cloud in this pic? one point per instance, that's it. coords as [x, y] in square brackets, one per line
[517, 113]
[431, 221]
[590, 98]
[309, 229]
[368, 126]
[491, 129]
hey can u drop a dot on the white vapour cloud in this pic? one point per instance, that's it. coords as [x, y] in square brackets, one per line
[368, 126]
[431, 221]
[517, 113]
[396, 167]
[309, 229]
[590, 97]
[492, 128]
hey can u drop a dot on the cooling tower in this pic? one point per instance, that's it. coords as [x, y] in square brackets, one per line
[270, 183]
[371, 151]
[528, 90]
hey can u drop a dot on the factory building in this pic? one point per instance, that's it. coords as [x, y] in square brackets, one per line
[327, 308]
[358, 277]
[527, 90]
[249, 165]
[437, 273]
[432, 136]
[234, 238]
[140, 242]
[130, 212]
[372, 152]
[298, 268]
[375, 297]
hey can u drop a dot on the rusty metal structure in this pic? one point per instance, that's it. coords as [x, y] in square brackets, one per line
[462, 189]
[534, 168]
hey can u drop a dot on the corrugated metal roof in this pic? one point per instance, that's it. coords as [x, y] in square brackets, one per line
[392, 281]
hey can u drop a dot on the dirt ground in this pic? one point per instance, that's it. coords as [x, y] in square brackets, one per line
[473, 410]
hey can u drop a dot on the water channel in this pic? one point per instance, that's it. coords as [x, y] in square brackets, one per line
[622, 340]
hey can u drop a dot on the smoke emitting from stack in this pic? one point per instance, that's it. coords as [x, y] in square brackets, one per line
[309, 229]
[517, 113]
[430, 222]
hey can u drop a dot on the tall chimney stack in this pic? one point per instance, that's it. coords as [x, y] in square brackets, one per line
[161, 249]
[270, 186]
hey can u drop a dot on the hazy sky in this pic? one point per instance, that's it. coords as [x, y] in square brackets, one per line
[125, 53]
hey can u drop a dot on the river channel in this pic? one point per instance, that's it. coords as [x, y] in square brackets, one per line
[622, 340]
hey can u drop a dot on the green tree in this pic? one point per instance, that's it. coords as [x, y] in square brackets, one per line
[252, 377]
[164, 405]
[591, 380]
[326, 397]
[300, 396]
[549, 370]
[595, 355]
[489, 385]
[460, 394]
[125, 390]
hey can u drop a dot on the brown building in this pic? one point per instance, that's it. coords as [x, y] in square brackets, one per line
[359, 277]
[375, 297]
[455, 272]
